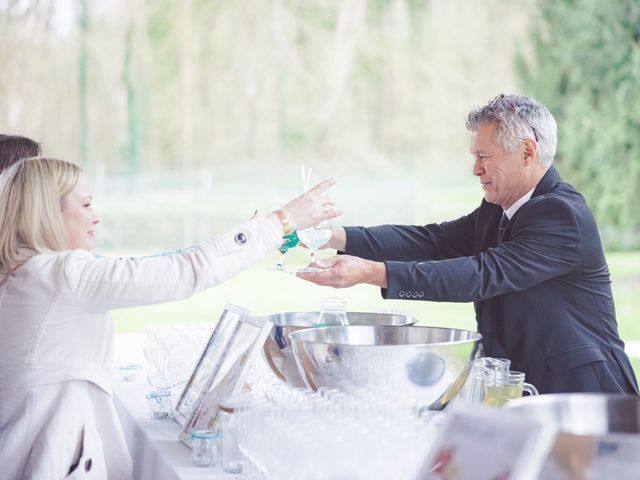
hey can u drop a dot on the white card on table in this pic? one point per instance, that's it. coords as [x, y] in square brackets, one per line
[480, 443]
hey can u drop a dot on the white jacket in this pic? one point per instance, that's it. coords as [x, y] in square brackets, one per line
[56, 346]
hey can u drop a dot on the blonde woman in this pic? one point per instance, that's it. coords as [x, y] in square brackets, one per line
[57, 418]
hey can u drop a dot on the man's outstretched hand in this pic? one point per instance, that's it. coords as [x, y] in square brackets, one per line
[344, 271]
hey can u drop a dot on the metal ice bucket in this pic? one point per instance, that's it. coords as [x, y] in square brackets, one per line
[592, 414]
[416, 366]
[277, 348]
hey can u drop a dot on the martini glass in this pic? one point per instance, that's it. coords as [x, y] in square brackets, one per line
[314, 237]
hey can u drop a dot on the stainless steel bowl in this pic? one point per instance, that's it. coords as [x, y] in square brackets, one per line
[277, 348]
[592, 414]
[417, 366]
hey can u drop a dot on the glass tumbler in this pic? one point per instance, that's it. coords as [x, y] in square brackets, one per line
[333, 311]
[232, 457]
[205, 446]
[159, 403]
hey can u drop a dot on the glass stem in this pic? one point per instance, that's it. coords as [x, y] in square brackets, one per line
[313, 255]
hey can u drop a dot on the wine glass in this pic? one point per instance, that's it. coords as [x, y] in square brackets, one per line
[314, 237]
[288, 242]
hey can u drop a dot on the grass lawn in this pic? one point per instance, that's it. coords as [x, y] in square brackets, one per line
[625, 272]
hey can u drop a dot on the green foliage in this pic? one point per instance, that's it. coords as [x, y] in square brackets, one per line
[369, 85]
[585, 66]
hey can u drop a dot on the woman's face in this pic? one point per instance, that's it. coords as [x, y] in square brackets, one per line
[78, 216]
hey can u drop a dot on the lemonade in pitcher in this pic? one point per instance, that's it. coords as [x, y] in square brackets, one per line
[498, 395]
[499, 389]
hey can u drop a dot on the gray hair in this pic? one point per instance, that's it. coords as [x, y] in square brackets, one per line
[518, 117]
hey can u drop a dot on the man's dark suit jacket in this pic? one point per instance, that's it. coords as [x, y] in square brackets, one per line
[542, 295]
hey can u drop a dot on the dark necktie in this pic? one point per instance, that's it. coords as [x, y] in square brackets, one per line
[503, 224]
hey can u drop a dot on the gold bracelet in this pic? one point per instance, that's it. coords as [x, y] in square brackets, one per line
[286, 226]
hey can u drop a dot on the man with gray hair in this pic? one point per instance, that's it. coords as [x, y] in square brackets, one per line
[529, 257]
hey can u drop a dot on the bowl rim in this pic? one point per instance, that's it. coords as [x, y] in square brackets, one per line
[317, 312]
[292, 336]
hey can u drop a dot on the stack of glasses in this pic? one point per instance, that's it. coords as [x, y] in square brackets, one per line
[357, 434]
[173, 352]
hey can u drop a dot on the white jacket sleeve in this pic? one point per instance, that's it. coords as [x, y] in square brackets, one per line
[101, 283]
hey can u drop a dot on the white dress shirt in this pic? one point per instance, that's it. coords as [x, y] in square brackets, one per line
[511, 211]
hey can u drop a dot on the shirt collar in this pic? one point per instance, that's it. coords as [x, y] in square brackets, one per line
[510, 212]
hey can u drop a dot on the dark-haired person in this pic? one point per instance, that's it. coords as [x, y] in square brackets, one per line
[529, 257]
[16, 147]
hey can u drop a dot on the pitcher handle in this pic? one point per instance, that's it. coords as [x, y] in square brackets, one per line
[530, 389]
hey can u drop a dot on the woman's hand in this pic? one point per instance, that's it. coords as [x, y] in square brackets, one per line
[311, 207]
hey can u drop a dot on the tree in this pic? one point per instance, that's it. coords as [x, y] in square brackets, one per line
[83, 120]
[585, 66]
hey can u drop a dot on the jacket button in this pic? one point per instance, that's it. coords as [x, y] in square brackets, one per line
[241, 238]
[414, 295]
[87, 465]
[421, 294]
[401, 293]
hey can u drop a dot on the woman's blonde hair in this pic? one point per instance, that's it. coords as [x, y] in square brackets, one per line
[30, 216]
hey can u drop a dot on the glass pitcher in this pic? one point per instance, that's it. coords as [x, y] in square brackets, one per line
[483, 368]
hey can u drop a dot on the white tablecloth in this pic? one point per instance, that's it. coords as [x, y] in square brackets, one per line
[153, 444]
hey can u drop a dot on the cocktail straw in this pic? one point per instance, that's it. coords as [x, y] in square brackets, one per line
[306, 178]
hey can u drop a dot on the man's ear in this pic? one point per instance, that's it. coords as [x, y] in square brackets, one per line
[530, 151]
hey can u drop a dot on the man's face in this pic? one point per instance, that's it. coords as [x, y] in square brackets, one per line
[504, 177]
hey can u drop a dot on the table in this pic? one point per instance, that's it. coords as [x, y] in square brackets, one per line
[153, 444]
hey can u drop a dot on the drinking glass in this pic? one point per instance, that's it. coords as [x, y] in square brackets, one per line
[289, 241]
[205, 447]
[232, 457]
[499, 389]
[314, 237]
[333, 311]
[159, 403]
